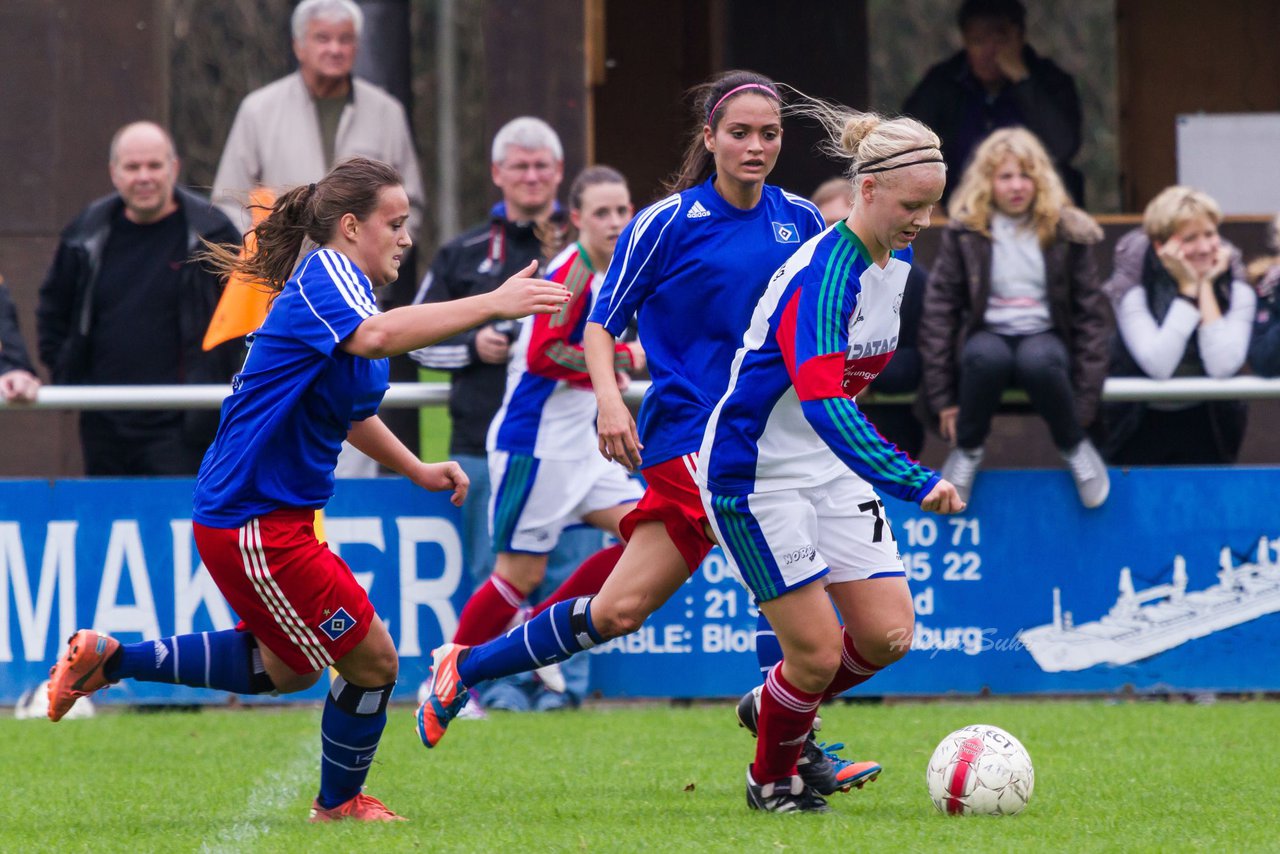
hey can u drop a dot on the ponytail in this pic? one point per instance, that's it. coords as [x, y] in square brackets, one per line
[304, 214]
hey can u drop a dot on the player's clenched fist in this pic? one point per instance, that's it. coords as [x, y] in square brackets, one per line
[943, 498]
[442, 477]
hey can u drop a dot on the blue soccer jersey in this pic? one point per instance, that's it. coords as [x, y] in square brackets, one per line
[690, 268]
[295, 399]
[824, 329]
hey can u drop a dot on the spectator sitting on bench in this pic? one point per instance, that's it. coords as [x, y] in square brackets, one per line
[1014, 299]
[1182, 309]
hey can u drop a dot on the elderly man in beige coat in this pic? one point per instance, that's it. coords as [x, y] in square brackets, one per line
[294, 130]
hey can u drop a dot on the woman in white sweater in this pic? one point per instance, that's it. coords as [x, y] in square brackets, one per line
[1182, 309]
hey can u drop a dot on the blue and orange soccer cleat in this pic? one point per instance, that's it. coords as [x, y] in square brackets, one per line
[819, 765]
[446, 695]
[360, 808]
[78, 672]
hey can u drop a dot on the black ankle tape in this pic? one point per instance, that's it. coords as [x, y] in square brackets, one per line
[580, 623]
[259, 681]
[355, 700]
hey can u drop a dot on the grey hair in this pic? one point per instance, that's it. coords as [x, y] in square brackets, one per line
[330, 10]
[526, 132]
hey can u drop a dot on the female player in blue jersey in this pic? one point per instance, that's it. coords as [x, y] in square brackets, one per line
[689, 268]
[787, 462]
[315, 374]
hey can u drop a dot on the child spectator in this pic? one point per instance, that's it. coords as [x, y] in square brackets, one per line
[1014, 300]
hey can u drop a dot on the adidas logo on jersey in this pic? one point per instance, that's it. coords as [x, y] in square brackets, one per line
[697, 211]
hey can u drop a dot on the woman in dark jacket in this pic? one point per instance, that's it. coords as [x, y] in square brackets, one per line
[1014, 300]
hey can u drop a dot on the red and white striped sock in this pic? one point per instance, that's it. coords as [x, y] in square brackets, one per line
[488, 612]
[786, 716]
[854, 670]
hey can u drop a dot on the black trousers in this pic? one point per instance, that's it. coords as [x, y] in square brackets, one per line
[1173, 437]
[110, 451]
[1038, 364]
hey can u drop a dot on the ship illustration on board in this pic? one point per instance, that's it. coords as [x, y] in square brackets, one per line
[1143, 623]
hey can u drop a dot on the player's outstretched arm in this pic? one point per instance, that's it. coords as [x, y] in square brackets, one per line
[415, 326]
[375, 440]
[943, 498]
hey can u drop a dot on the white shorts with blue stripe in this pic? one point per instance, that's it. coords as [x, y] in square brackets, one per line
[533, 500]
[778, 541]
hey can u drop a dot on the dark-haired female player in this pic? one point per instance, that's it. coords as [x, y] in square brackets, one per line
[315, 374]
[689, 268]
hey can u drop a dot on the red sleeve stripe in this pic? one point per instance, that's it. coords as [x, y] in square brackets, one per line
[821, 377]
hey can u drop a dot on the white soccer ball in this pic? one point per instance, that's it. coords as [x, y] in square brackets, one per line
[980, 770]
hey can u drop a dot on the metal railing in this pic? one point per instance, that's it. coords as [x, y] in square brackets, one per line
[413, 395]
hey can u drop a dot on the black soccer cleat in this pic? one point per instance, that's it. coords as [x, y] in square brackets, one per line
[819, 765]
[789, 795]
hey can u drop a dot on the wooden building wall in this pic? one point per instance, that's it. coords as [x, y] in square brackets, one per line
[1183, 57]
[72, 74]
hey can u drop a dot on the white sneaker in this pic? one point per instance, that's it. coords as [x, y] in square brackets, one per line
[960, 468]
[551, 677]
[1090, 474]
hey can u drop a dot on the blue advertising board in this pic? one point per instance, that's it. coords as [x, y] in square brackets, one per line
[1174, 584]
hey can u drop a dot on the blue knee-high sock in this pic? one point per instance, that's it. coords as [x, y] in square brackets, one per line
[768, 650]
[350, 729]
[554, 635]
[227, 660]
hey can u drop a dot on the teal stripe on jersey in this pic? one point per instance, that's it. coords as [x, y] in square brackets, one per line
[873, 456]
[869, 447]
[847, 253]
[744, 546]
[907, 473]
[831, 294]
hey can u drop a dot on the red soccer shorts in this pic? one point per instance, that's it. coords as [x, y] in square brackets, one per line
[298, 599]
[672, 498]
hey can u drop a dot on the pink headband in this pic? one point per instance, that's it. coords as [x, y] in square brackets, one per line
[735, 90]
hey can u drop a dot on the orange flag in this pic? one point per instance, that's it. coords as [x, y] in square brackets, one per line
[243, 305]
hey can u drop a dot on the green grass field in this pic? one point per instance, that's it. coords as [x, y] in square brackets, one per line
[1109, 777]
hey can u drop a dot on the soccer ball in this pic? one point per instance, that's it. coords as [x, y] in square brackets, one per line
[980, 770]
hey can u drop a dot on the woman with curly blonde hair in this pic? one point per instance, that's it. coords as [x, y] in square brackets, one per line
[1014, 300]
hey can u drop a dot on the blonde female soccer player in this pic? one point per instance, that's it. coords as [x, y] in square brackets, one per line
[788, 463]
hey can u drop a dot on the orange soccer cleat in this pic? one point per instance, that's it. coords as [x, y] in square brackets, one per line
[445, 697]
[360, 808]
[78, 672]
